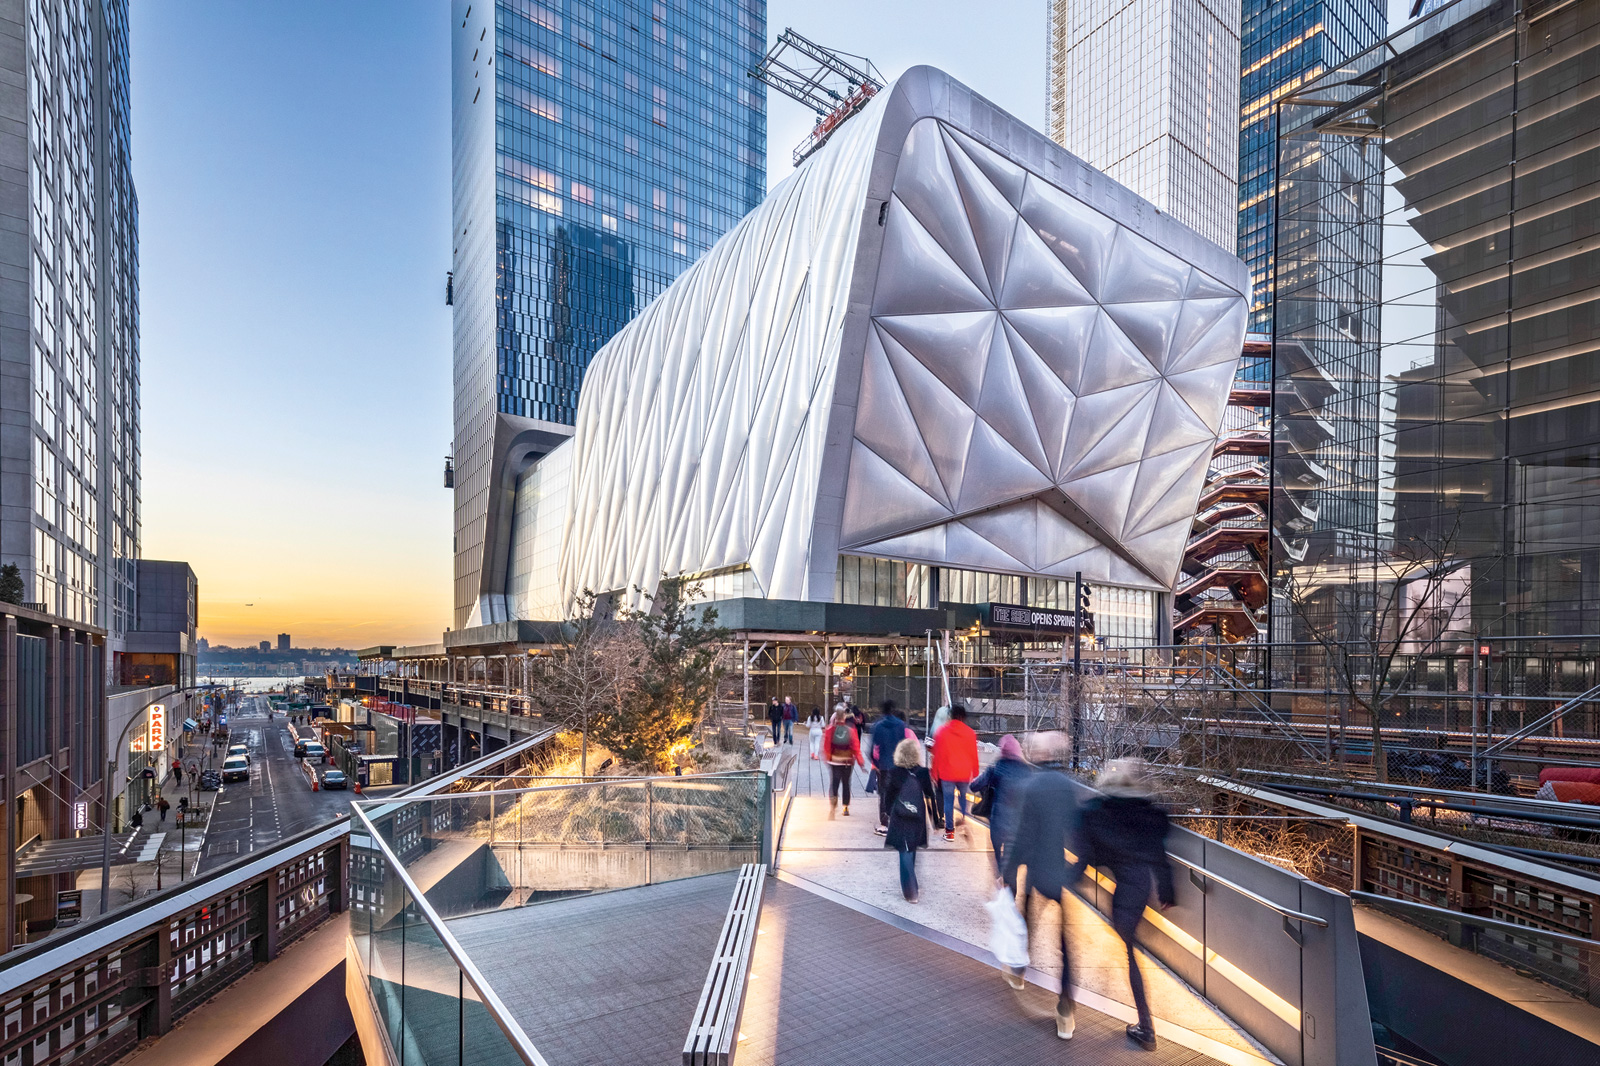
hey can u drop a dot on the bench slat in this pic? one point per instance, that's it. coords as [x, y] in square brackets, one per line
[714, 1032]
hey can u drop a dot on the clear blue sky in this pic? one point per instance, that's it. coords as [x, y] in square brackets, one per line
[293, 167]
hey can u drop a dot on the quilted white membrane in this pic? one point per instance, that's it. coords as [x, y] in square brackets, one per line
[1041, 388]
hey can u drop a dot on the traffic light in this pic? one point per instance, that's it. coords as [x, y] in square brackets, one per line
[1085, 597]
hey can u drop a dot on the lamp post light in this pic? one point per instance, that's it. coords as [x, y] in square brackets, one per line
[112, 758]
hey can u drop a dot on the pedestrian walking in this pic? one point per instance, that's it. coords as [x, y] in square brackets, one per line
[791, 715]
[162, 807]
[1046, 820]
[911, 804]
[841, 747]
[814, 725]
[955, 764]
[887, 734]
[1123, 832]
[177, 772]
[775, 719]
[1001, 786]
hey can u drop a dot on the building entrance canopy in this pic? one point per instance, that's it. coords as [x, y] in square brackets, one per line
[86, 853]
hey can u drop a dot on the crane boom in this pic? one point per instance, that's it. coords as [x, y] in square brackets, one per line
[825, 80]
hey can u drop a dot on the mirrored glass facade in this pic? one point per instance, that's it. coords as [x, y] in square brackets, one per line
[1486, 442]
[629, 137]
[600, 148]
[1284, 45]
[70, 519]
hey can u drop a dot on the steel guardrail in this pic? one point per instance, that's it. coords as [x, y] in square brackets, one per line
[1299, 916]
[487, 995]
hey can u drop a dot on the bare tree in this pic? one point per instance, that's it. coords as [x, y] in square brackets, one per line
[589, 672]
[1373, 619]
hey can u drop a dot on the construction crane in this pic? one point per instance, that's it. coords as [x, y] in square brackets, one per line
[830, 83]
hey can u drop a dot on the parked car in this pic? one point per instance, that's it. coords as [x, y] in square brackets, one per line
[334, 779]
[210, 780]
[314, 752]
[236, 768]
[240, 750]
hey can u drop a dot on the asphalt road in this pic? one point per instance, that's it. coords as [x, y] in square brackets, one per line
[276, 803]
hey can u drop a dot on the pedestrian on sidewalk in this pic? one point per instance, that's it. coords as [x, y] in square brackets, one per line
[955, 764]
[775, 719]
[791, 715]
[162, 807]
[1124, 832]
[841, 747]
[177, 772]
[1003, 780]
[911, 804]
[887, 734]
[814, 726]
[137, 821]
[1046, 821]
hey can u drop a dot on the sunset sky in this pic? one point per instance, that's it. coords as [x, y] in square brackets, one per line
[293, 169]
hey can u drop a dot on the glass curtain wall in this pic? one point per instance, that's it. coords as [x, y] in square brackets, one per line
[1452, 303]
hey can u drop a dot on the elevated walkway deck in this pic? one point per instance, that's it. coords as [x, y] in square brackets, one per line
[845, 860]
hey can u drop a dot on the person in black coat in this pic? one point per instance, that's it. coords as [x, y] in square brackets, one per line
[908, 784]
[775, 720]
[1123, 833]
[1046, 819]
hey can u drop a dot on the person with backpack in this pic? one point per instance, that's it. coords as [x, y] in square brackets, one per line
[791, 714]
[1122, 831]
[999, 788]
[162, 807]
[955, 764]
[911, 804]
[887, 733]
[841, 748]
[775, 719]
[1046, 819]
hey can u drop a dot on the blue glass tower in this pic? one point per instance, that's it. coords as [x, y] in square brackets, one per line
[1283, 46]
[599, 148]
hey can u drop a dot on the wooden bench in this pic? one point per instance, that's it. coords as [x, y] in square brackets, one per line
[714, 1032]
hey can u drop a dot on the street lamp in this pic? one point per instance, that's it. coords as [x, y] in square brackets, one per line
[112, 758]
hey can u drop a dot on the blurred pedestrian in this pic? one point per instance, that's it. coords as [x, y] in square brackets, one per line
[1002, 785]
[775, 719]
[955, 764]
[814, 726]
[162, 807]
[911, 804]
[1123, 832]
[887, 733]
[1046, 819]
[841, 747]
[177, 772]
[791, 714]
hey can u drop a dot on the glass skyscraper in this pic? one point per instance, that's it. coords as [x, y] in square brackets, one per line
[599, 149]
[69, 454]
[1284, 45]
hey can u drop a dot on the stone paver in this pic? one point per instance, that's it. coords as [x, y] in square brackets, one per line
[846, 856]
[608, 978]
[830, 985]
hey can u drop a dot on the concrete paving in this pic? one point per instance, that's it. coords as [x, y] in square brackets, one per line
[845, 856]
[612, 977]
[829, 984]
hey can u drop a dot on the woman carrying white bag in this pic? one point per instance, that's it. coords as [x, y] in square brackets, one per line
[1046, 820]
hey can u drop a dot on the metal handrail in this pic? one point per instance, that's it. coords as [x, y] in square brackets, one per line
[487, 996]
[1474, 919]
[34, 961]
[1299, 916]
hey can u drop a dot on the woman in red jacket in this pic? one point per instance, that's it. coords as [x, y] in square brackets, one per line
[841, 747]
[955, 764]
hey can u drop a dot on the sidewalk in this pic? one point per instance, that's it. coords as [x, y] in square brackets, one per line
[843, 856]
[180, 849]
